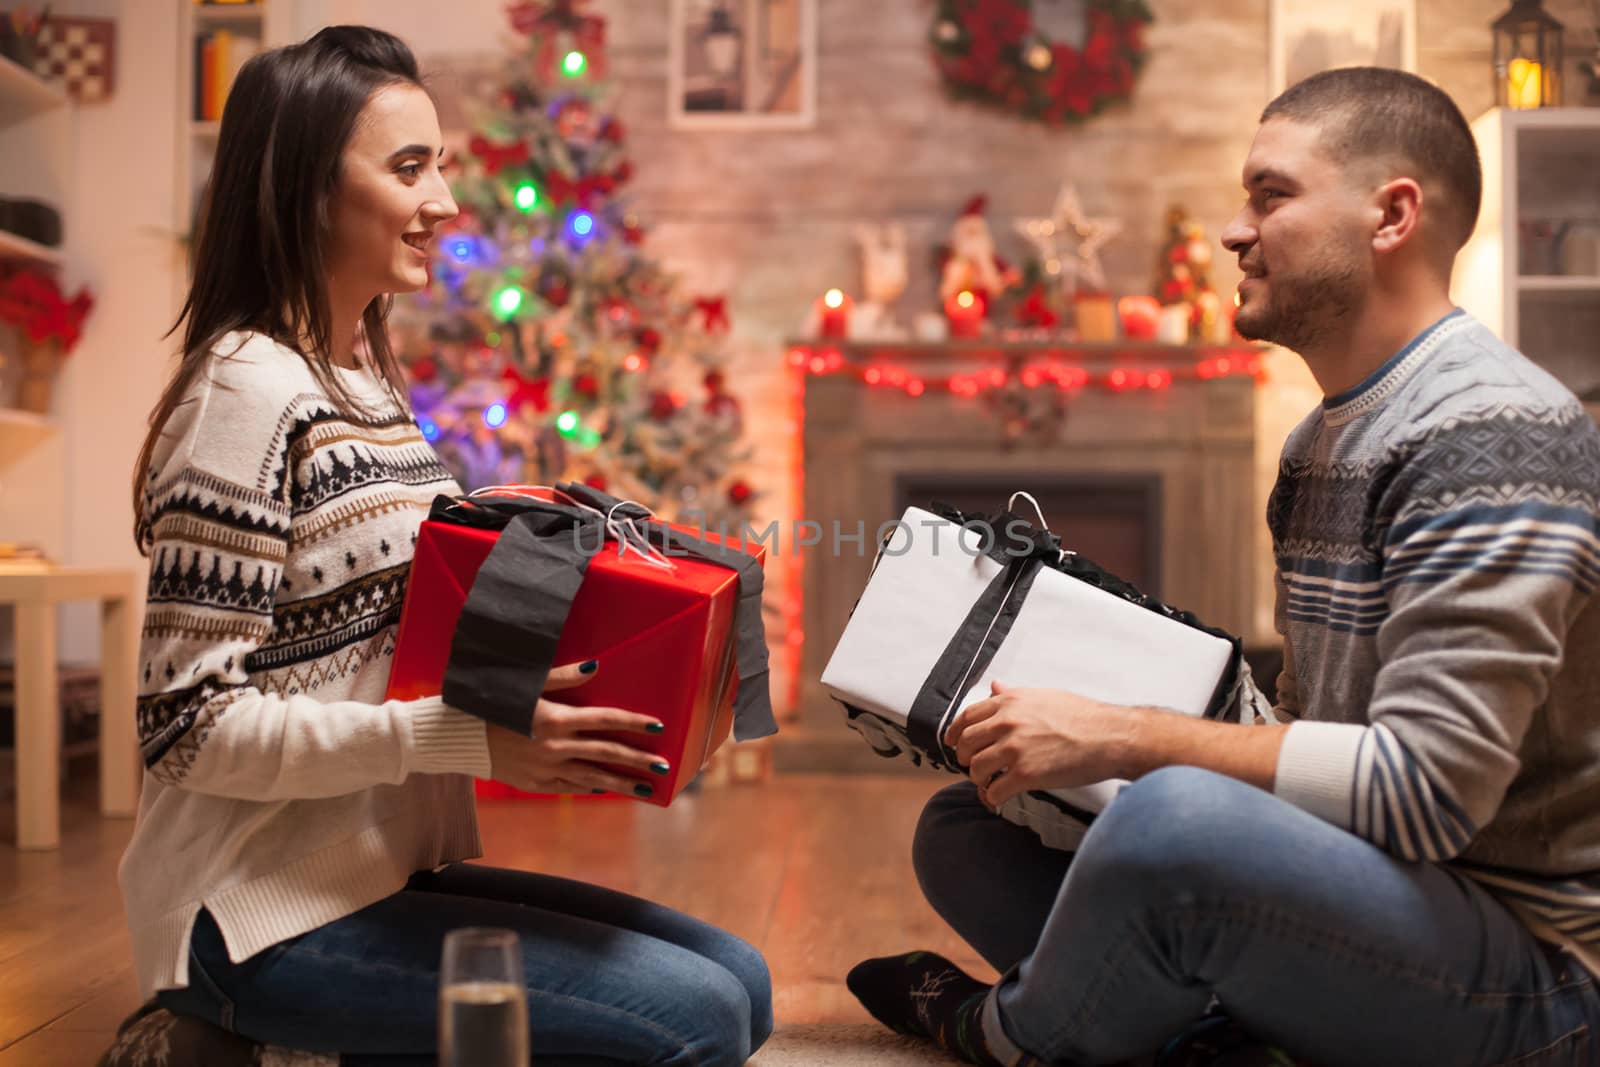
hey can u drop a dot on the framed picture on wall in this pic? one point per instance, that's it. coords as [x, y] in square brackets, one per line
[1307, 36]
[742, 64]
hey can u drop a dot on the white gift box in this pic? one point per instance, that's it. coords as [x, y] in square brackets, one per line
[925, 591]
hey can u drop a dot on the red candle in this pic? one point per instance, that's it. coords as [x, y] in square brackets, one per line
[1139, 315]
[833, 314]
[965, 312]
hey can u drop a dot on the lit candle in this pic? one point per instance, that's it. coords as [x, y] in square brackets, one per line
[833, 314]
[1525, 84]
[1139, 315]
[965, 312]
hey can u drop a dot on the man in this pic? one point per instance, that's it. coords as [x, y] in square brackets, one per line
[1405, 867]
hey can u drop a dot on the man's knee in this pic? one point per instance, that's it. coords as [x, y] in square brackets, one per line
[934, 852]
[1178, 829]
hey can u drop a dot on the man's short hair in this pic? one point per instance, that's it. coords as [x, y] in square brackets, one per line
[1385, 115]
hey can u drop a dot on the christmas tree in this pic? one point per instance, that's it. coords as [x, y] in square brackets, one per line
[548, 347]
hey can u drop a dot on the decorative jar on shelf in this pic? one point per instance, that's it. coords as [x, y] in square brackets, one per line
[40, 362]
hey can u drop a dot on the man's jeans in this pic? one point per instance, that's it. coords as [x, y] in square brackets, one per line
[611, 979]
[1192, 885]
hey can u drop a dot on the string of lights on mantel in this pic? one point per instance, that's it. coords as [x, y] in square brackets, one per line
[1055, 370]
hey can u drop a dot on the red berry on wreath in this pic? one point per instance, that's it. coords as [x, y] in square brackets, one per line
[739, 492]
[586, 385]
[648, 339]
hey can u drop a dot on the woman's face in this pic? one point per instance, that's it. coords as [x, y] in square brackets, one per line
[390, 197]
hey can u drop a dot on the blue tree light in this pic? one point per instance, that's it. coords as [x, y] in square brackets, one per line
[429, 428]
[581, 224]
[461, 249]
[494, 416]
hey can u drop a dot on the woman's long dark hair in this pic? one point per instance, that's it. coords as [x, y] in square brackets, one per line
[261, 246]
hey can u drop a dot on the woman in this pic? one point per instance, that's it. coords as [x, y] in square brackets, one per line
[296, 863]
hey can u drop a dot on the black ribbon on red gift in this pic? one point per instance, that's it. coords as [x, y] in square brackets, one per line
[505, 641]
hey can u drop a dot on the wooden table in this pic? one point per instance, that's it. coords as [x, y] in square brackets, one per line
[35, 596]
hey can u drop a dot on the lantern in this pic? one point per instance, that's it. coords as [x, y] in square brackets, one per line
[1527, 57]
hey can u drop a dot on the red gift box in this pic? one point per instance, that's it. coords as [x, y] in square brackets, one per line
[664, 639]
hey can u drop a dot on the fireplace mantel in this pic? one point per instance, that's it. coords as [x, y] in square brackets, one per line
[1108, 353]
[1193, 440]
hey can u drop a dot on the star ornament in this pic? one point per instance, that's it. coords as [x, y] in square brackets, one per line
[1068, 242]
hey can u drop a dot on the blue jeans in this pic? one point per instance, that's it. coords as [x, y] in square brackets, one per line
[611, 979]
[1192, 885]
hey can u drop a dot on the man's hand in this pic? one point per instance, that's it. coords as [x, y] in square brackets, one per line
[560, 757]
[1022, 739]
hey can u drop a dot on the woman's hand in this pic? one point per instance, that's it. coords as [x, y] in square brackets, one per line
[560, 757]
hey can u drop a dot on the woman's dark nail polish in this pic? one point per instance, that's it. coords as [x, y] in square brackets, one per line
[642, 790]
[655, 728]
[660, 768]
[589, 666]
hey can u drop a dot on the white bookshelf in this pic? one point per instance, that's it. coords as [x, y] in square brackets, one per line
[266, 22]
[14, 249]
[36, 163]
[23, 93]
[1541, 176]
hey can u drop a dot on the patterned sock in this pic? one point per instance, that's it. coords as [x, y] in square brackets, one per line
[922, 994]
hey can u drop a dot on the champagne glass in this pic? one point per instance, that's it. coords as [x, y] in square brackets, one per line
[483, 1006]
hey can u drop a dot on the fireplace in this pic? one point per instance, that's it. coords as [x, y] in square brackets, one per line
[1155, 485]
[1114, 521]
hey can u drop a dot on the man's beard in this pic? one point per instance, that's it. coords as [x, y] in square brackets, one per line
[1302, 313]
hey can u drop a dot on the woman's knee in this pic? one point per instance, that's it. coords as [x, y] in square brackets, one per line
[749, 969]
[719, 1014]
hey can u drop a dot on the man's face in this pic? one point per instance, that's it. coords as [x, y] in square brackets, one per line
[1302, 238]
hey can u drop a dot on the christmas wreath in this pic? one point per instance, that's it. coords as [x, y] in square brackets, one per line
[997, 52]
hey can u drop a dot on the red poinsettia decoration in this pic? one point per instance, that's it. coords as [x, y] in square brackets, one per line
[1035, 309]
[523, 392]
[713, 311]
[33, 302]
[496, 156]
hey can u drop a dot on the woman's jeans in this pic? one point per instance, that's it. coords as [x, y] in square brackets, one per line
[611, 979]
[1193, 886]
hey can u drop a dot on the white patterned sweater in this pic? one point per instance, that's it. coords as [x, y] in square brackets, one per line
[281, 792]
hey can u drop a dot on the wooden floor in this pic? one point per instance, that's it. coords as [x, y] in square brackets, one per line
[814, 870]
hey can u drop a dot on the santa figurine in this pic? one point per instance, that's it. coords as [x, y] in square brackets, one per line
[971, 263]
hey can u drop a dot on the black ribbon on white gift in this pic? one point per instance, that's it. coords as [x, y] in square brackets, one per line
[1025, 552]
[505, 642]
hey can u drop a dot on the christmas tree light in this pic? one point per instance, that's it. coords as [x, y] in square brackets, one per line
[567, 422]
[494, 416]
[573, 64]
[526, 196]
[508, 300]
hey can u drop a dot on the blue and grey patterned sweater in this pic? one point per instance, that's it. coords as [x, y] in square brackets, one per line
[1437, 536]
